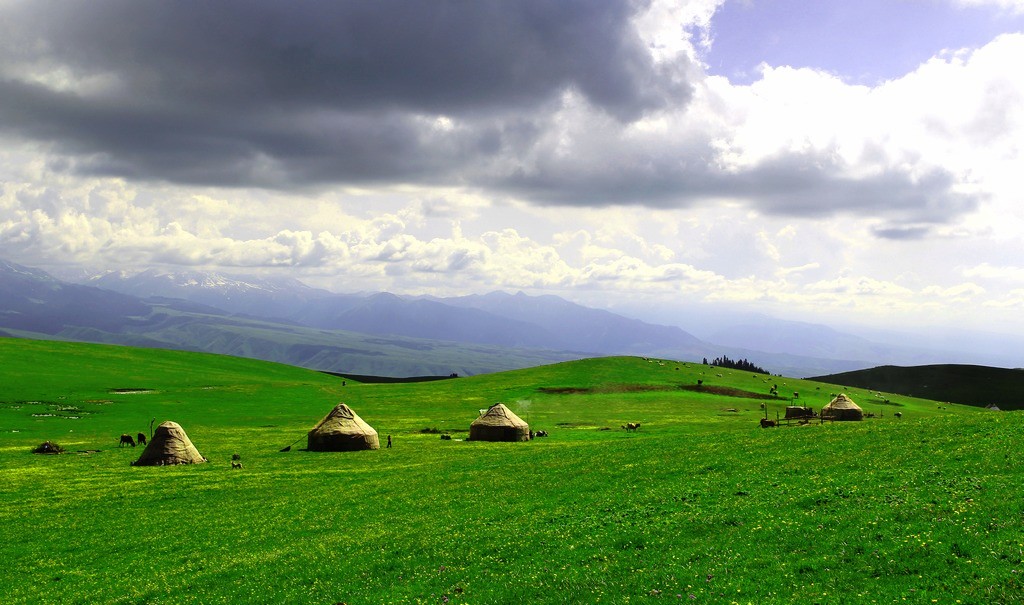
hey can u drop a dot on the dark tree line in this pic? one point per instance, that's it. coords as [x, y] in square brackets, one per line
[738, 364]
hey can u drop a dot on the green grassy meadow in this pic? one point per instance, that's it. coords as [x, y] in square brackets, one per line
[700, 505]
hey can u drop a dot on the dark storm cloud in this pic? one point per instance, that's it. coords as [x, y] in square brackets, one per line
[808, 185]
[215, 92]
[817, 185]
[908, 233]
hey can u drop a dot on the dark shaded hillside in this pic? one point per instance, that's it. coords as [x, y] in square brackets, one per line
[968, 384]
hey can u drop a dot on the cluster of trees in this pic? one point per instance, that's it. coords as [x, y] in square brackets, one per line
[739, 364]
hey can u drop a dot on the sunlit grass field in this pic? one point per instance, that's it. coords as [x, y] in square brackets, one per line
[700, 505]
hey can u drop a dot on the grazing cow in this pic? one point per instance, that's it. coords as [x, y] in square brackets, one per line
[542, 434]
[446, 437]
[631, 426]
[141, 438]
[899, 414]
[237, 465]
[126, 439]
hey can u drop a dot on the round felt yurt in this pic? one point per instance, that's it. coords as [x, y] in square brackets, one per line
[499, 423]
[170, 445]
[842, 408]
[342, 430]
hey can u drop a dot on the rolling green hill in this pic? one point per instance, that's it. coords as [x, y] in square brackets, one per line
[967, 384]
[700, 504]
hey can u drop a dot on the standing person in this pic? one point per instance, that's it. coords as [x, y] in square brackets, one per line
[389, 440]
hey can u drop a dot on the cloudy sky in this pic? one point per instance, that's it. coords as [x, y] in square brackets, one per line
[829, 161]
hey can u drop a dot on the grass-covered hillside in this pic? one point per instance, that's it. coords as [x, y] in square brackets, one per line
[699, 505]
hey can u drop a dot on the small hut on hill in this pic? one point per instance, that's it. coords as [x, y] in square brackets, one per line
[499, 423]
[842, 408]
[342, 430]
[169, 445]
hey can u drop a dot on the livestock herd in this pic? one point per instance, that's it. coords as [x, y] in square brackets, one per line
[126, 439]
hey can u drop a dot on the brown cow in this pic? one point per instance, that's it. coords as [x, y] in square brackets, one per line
[126, 439]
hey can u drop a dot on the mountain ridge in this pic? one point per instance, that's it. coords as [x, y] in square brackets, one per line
[543, 327]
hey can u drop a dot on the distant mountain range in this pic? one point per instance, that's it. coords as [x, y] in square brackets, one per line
[249, 296]
[384, 334]
[289, 322]
[34, 301]
[499, 319]
[34, 304]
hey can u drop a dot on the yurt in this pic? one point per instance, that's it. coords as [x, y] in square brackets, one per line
[169, 445]
[498, 423]
[842, 408]
[342, 430]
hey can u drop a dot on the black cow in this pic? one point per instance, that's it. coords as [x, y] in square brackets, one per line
[141, 438]
[126, 440]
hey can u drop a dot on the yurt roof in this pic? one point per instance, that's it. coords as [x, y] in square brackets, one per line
[842, 402]
[342, 419]
[499, 415]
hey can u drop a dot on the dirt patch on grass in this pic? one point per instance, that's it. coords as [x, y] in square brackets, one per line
[646, 388]
[607, 389]
[575, 425]
[53, 409]
[48, 447]
[728, 392]
[578, 426]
